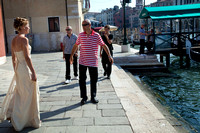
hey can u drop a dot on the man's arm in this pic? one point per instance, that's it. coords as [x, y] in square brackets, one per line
[108, 53]
[108, 39]
[64, 47]
[63, 54]
[141, 33]
[74, 49]
[76, 53]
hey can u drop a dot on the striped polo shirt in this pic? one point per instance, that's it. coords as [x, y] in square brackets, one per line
[89, 48]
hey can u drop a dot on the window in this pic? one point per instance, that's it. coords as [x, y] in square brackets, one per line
[86, 6]
[54, 25]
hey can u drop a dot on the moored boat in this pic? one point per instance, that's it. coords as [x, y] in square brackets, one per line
[195, 54]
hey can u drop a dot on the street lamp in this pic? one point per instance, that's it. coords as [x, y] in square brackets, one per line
[125, 42]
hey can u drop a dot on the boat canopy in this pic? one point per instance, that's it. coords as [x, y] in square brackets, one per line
[171, 12]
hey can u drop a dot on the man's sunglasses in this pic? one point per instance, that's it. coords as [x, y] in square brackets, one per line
[67, 29]
[85, 24]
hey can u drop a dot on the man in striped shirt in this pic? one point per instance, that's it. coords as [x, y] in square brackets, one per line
[90, 42]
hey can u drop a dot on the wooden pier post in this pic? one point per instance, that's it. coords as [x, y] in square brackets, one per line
[161, 58]
[187, 61]
[167, 60]
[180, 46]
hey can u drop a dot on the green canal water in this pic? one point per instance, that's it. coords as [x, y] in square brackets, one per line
[180, 92]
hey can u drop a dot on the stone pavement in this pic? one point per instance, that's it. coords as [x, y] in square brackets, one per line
[122, 107]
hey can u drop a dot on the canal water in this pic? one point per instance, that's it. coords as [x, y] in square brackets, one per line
[180, 92]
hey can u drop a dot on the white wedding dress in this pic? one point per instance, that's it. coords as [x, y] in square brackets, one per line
[21, 103]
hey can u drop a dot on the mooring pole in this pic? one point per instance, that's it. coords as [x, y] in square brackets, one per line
[180, 45]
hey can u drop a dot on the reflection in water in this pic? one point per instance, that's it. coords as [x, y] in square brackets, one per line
[183, 93]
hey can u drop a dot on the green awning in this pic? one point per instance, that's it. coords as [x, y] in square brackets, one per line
[171, 12]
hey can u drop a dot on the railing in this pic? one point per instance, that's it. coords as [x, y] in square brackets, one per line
[169, 41]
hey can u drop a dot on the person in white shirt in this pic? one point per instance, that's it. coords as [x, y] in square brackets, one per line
[68, 42]
[142, 39]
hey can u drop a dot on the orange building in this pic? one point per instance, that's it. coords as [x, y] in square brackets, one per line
[2, 40]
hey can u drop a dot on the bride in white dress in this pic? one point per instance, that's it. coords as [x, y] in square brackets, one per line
[21, 104]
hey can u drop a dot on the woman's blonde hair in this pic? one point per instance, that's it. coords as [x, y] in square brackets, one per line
[18, 22]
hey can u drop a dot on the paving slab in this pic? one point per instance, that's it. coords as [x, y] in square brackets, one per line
[109, 129]
[122, 107]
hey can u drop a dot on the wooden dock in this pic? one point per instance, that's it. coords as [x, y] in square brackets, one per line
[140, 64]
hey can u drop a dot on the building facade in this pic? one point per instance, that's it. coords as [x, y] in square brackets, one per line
[2, 42]
[119, 19]
[182, 2]
[91, 15]
[134, 18]
[104, 17]
[111, 13]
[162, 3]
[48, 19]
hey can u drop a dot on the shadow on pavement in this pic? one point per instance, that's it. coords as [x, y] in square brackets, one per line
[49, 86]
[67, 86]
[46, 115]
[2, 95]
[102, 78]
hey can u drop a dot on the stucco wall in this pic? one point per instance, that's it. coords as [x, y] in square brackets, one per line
[38, 11]
[2, 42]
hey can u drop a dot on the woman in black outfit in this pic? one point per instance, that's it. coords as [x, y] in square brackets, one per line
[107, 38]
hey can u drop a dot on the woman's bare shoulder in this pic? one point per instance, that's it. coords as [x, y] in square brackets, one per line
[24, 41]
[15, 38]
[19, 42]
[22, 37]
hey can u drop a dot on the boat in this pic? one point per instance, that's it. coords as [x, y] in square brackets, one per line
[195, 54]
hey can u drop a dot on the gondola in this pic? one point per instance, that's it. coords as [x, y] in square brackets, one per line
[195, 54]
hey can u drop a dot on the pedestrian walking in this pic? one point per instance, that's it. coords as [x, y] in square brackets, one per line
[21, 104]
[107, 65]
[68, 42]
[90, 42]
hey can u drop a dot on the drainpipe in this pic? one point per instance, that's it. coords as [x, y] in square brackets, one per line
[67, 12]
[4, 27]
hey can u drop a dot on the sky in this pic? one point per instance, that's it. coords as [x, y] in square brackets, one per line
[98, 5]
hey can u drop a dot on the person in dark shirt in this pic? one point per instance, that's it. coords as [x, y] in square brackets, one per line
[150, 40]
[107, 65]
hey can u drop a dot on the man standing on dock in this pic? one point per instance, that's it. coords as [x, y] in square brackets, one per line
[142, 39]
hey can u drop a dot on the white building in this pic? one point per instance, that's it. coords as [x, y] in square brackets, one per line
[48, 20]
[106, 16]
[91, 15]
